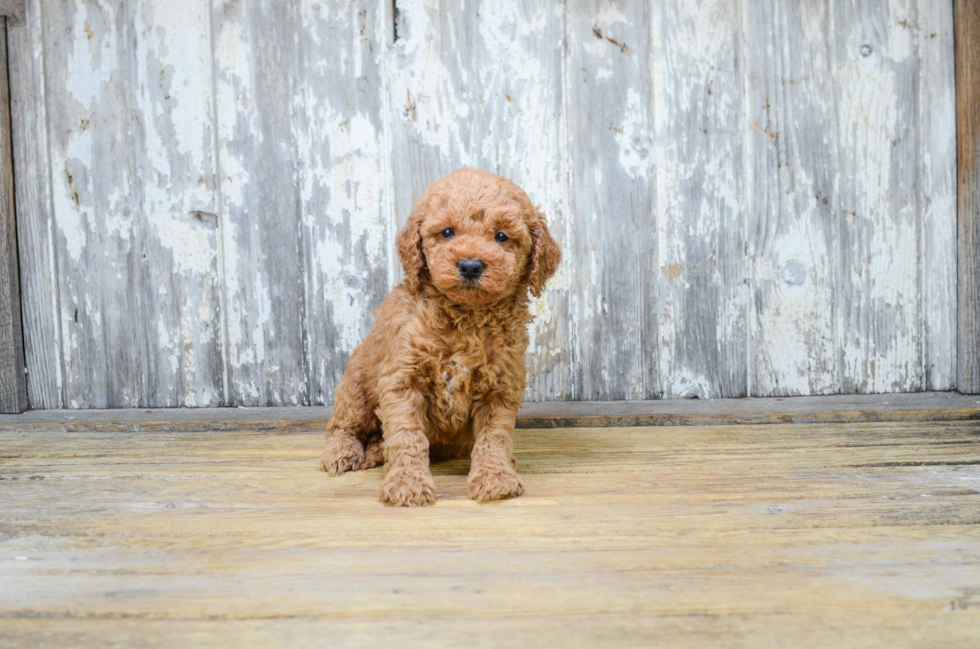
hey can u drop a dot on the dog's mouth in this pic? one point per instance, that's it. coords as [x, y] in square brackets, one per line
[471, 292]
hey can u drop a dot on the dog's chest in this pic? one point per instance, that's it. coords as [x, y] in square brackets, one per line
[460, 381]
[463, 375]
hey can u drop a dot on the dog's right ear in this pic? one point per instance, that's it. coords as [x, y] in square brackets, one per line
[408, 244]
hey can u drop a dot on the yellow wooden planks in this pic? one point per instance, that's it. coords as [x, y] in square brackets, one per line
[803, 535]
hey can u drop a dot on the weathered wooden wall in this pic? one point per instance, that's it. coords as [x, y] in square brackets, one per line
[13, 383]
[754, 198]
[967, 21]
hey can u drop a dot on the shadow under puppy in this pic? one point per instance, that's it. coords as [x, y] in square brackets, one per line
[441, 374]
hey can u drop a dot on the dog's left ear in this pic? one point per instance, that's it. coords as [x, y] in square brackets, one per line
[408, 244]
[545, 256]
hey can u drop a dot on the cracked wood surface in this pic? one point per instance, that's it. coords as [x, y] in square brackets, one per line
[836, 535]
[754, 199]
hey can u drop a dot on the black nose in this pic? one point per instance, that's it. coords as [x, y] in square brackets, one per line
[470, 268]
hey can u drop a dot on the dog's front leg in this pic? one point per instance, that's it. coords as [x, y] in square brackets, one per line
[492, 470]
[406, 450]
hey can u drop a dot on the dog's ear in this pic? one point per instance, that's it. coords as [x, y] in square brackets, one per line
[545, 256]
[408, 244]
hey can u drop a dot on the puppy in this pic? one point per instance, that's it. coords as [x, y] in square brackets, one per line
[441, 373]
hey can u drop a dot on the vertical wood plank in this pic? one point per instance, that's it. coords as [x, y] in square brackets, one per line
[791, 196]
[699, 120]
[877, 131]
[13, 386]
[256, 54]
[344, 170]
[966, 21]
[480, 84]
[936, 162]
[614, 250]
[752, 115]
[133, 203]
[177, 210]
[94, 197]
[35, 214]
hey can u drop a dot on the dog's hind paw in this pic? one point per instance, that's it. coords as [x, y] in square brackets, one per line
[373, 455]
[408, 487]
[343, 453]
[494, 484]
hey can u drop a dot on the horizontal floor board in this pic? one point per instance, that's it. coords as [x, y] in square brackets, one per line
[861, 534]
[924, 406]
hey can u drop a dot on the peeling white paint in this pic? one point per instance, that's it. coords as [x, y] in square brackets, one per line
[715, 142]
[632, 137]
[92, 60]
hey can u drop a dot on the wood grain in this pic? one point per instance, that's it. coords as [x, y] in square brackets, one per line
[257, 95]
[259, 219]
[610, 124]
[41, 311]
[914, 407]
[791, 196]
[305, 218]
[967, 24]
[13, 11]
[97, 229]
[753, 198]
[129, 174]
[936, 156]
[822, 535]
[176, 167]
[345, 181]
[878, 224]
[699, 121]
[13, 386]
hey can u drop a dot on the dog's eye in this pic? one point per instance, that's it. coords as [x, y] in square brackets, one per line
[501, 237]
[448, 233]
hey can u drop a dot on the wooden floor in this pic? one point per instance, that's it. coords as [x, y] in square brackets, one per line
[837, 535]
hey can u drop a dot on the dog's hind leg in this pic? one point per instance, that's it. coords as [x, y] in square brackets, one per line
[352, 423]
[373, 455]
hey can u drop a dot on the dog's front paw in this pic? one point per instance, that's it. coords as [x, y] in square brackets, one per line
[408, 487]
[343, 453]
[497, 483]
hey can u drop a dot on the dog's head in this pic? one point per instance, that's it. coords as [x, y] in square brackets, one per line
[476, 237]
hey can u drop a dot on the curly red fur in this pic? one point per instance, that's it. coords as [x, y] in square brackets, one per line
[441, 373]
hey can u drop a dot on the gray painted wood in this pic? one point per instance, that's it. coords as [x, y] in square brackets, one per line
[177, 204]
[13, 385]
[130, 175]
[879, 297]
[480, 84]
[35, 227]
[344, 180]
[967, 24]
[257, 98]
[791, 199]
[13, 10]
[699, 122]
[936, 162]
[614, 309]
[97, 238]
[750, 201]
[305, 221]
